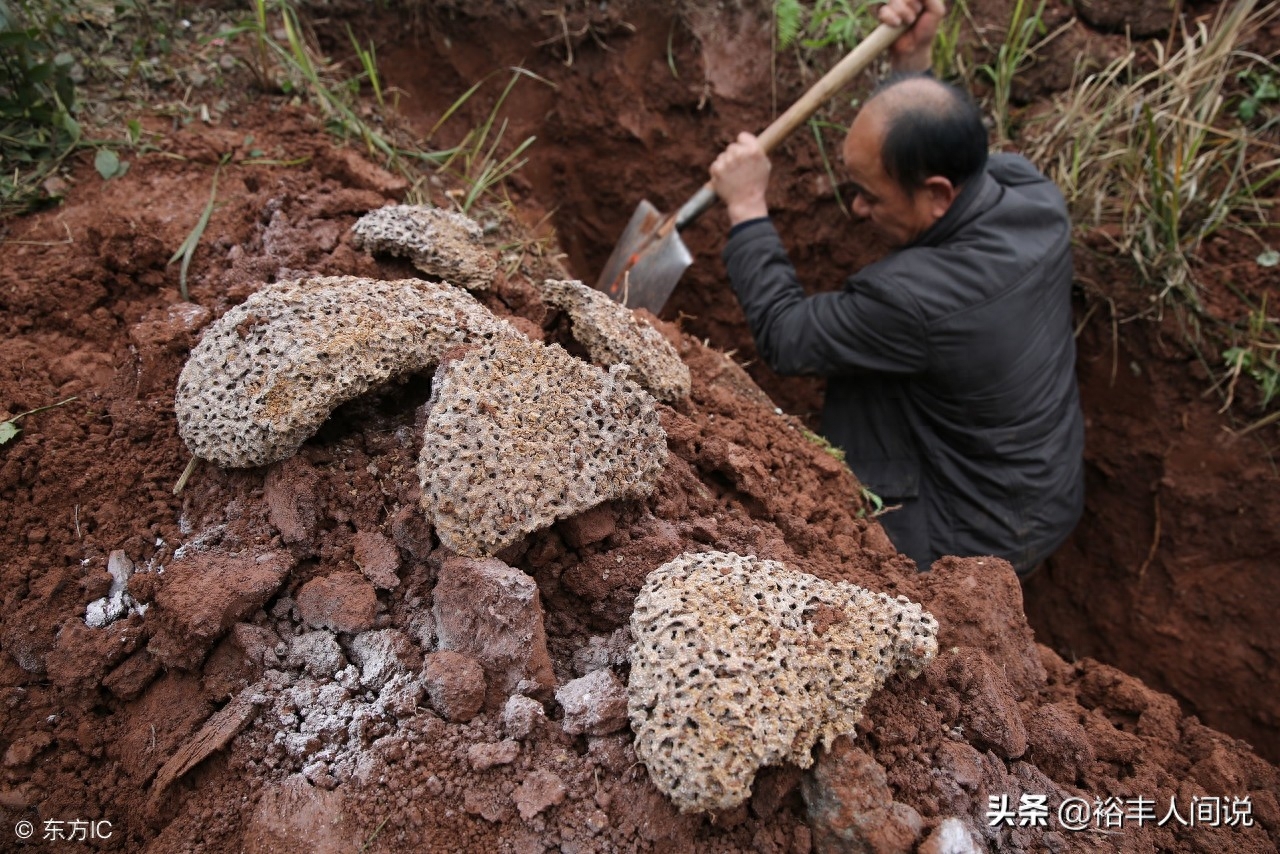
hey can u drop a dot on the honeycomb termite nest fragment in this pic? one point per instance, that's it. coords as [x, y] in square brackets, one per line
[613, 334]
[268, 373]
[740, 663]
[441, 243]
[520, 434]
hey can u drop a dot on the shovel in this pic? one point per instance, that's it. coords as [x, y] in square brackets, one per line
[650, 256]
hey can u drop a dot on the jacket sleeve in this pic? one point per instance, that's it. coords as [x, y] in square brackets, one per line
[869, 326]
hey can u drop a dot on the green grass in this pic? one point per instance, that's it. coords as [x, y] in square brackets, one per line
[478, 160]
[818, 126]
[948, 59]
[1014, 54]
[188, 248]
[1255, 353]
[293, 65]
[1263, 89]
[38, 128]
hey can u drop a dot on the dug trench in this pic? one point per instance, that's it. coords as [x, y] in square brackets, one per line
[270, 696]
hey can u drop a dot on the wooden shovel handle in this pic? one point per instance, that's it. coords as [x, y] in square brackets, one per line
[841, 73]
[845, 70]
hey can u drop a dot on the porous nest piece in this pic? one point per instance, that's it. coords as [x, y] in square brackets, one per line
[740, 663]
[520, 435]
[267, 374]
[613, 334]
[439, 242]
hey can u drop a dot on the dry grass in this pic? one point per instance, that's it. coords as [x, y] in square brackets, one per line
[1154, 158]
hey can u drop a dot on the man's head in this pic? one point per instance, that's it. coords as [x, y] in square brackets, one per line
[910, 150]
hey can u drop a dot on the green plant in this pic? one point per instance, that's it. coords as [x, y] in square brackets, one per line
[818, 126]
[1257, 356]
[1013, 55]
[671, 50]
[369, 62]
[109, 164]
[823, 443]
[188, 248]
[37, 100]
[1259, 362]
[294, 65]
[477, 159]
[10, 429]
[947, 61]
[875, 502]
[825, 23]
[1262, 89]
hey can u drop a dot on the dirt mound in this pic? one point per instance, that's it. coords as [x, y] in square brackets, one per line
[296, 680]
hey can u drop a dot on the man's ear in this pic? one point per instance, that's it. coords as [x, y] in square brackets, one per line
[941, 193]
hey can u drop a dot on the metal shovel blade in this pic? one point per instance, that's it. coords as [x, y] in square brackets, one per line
[647, 262]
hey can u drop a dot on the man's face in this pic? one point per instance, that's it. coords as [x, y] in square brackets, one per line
[900, 216]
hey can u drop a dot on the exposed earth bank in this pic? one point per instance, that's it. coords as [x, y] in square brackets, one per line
[286, 686]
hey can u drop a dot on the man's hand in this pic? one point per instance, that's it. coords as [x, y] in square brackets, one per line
[740, 176]
[913, 49]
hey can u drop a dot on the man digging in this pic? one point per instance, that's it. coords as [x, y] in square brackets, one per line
[951, 362]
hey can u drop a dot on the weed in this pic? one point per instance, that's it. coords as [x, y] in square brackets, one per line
[872, 501]
[302, 68]
[476, 159]
[109, 164]
[369, 62]
[1013, 55]
[826, 23]
[947, 61]
[1262, 89]
[818, 126]
[10, 429]
[671, 50]
[37, 100]
[822, 442]
[188, 248]
[1256, 355]
[788, 21]
[1152, 156]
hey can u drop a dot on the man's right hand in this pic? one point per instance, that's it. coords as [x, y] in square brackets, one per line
[913, 51]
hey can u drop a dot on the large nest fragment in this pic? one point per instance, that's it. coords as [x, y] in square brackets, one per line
[520, 435]
[439, 242]
[267, 374]
[613, 335]
[741, 663]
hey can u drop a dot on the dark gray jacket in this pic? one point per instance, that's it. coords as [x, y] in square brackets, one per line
[952, 368]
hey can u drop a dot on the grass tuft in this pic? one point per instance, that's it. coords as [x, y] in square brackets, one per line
[1153, 158]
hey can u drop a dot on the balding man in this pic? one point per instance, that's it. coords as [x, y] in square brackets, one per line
[951, 362]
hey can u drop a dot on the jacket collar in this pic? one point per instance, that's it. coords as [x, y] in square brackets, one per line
[975, 198]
